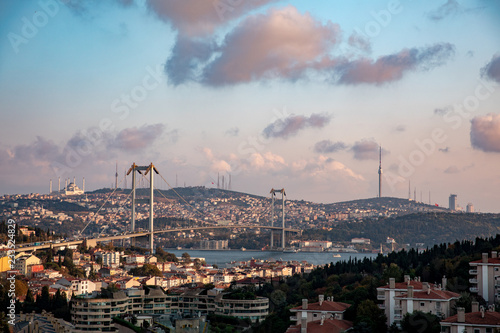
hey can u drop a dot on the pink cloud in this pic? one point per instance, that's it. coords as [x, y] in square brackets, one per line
[280, 43]
[392, 67]
[201, 17]
[485, 133]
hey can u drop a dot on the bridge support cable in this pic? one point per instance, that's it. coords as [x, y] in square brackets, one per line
[187, 203]
[105, 202]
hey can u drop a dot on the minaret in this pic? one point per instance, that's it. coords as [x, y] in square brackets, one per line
[50, 187]
[380, 174]
[83, 185]
[59, 186]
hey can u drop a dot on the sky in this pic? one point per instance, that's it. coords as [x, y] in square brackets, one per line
[298, 95]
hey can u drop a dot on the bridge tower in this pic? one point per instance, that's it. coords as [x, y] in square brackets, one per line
[148, 168]
[273, 195]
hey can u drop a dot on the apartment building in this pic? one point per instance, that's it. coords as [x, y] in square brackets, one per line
[479, 320]
[314, 311]
[111, 259]
[222, 244]
[94, 313]
[414, 295]
[485, 277]
[77, 286]
[23, 261]
[434, 300]
[388, 293]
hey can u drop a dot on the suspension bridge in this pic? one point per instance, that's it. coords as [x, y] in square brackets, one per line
[132, 234]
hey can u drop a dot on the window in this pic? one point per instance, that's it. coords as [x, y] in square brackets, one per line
[422, 304]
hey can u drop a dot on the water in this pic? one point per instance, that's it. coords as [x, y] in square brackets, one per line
[223, 257]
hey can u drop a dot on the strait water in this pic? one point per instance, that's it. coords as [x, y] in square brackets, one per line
[226, 256]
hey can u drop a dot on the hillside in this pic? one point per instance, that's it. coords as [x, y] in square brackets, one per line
[427, 228]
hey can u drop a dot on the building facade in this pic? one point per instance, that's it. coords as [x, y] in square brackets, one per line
[414, 295]
[479, 320]
[453, 202]
[94, 312]
[485, 277]
[314, 311]
[23, 261]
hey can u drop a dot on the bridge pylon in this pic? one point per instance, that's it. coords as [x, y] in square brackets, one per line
[273, 196]
[148, 168]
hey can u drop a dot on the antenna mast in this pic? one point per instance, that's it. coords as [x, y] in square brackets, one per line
[380, 173]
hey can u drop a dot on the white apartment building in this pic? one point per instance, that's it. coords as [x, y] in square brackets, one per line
[111, 259]
[414, 295]
[135, 259]
[436, 301]
[479, 320]
[314, 311]
[485, 277]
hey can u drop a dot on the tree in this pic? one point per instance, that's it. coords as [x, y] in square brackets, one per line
[21, 287]
[92, 274]
[43, 300]
[465, 301]
[186, 257]
[370, 313]
[50, 256]
[420, 322]
[197, 264]
[146, 270]
[393, 271]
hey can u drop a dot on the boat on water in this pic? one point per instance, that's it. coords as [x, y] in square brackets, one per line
[243, 249]
[179, 248]
[337, 256]
[290, 250]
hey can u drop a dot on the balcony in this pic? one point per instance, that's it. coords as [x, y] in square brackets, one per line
[381, 297]
[473, 271]
[398, 317]
[473, 281]
[293, 318]
[381, 306]
[474, 289]
[398, 307]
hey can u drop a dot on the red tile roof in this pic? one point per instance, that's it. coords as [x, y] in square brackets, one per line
[325, 306]
[432, 294]
[329, 326]
[490, 261]
[475, 318]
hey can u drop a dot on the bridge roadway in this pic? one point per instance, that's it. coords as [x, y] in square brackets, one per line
[93, 241]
